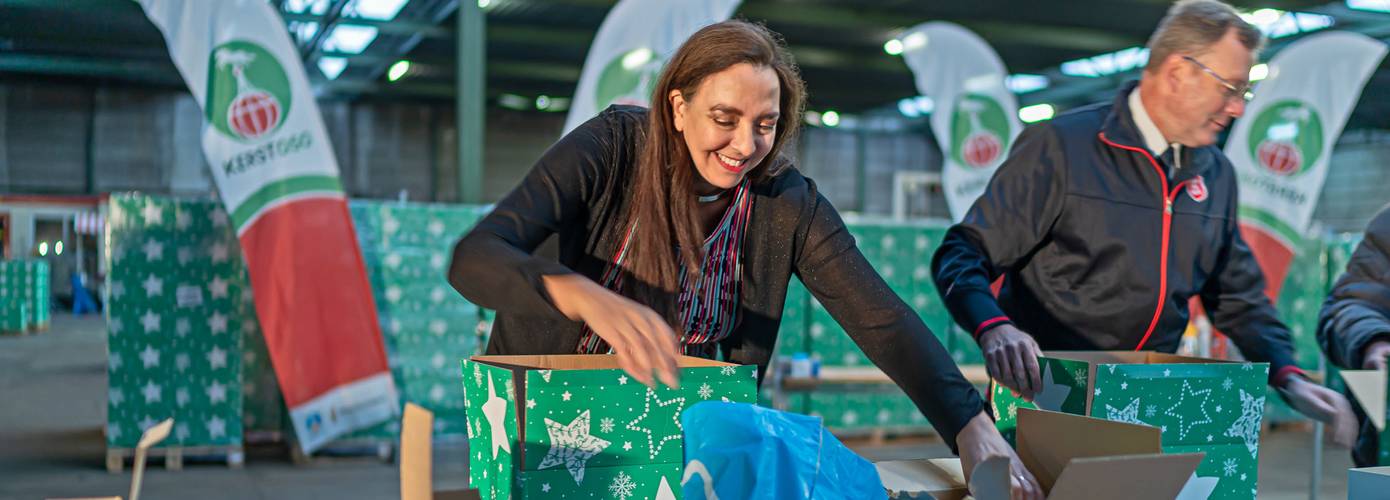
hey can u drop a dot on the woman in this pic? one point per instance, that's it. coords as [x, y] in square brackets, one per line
[688, 214]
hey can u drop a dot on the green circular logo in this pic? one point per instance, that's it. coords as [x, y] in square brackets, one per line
[1286, 137]
[248, 95]
[979, 131]
[628, 79]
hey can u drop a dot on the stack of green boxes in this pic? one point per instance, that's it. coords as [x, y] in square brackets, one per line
[24, 294]
[426, 325]
[901, 253]
[174, 293]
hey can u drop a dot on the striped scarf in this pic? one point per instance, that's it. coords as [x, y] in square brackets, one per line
[708, 307]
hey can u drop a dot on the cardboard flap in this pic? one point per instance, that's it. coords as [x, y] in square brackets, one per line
[1131, 477]
[1048, 441]
[417, 428]
[155, 434]
[941, 478]
[1100, 357]
[580, 362]
[1163, 357]
[1368, 386]
[990, 480]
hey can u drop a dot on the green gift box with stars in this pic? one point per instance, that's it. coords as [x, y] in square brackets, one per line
[577, 426]
[1201, 405]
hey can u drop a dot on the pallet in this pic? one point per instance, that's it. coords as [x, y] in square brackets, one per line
[174, 456]
[346, 451]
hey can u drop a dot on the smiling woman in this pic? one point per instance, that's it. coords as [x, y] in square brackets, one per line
[679, 229]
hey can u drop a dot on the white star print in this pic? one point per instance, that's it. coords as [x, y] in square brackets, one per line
[571, 446]
[217, 322]
[152, 392]
[218, 252]
[153, 286]
[217, 358]
[153, 215]
[495, 410]
[217, 392]
[154, 250]
[150, 321]
[149, 357]
[218, 288]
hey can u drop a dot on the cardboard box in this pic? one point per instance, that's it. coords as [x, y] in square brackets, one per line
[1200, 405]
[1073, 457]
[1368, 483]
[417, 461]
[570, 426]
[148, 439]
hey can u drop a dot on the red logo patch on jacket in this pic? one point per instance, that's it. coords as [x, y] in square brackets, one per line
[1197, 189]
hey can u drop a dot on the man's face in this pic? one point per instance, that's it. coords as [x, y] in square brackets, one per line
[1205, 101]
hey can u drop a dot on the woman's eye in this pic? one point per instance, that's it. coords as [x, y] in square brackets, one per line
[724, 123]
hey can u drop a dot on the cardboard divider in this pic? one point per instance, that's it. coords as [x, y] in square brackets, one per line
[1049, 441]
[1073, 458]
[1133, 477]
[1369, 389]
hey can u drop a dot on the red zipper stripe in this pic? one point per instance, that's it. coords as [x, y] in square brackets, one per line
[1167, 227]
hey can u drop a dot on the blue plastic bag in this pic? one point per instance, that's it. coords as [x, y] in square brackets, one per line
[735, 451]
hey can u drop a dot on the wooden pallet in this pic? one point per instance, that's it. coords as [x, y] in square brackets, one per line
[346, 451]
[233, 456]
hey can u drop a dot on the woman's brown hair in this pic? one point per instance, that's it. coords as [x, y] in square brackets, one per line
[664, 197]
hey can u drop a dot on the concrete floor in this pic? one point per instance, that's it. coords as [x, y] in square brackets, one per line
[53, 388]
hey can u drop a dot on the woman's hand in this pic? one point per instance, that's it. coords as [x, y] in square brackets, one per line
[980, 440]
[639, 336]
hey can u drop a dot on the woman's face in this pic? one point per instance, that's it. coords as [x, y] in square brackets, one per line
[729, 123]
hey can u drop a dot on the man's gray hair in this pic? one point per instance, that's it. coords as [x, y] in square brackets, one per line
[1191, 27]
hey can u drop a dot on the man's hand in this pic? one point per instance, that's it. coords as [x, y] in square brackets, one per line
[1373, 356]
[1011, 357]
[1323, 404]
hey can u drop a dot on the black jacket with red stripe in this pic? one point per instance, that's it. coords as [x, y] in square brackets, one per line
[1101, 250]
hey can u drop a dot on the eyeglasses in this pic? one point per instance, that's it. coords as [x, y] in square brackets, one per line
[1233, 91]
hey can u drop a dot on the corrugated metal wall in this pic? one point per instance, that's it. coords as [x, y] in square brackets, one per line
[148, 139]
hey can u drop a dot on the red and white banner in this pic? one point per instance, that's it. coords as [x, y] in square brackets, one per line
[1281, 147]
[277, 175]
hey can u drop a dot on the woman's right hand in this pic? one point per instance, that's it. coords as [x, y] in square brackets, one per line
[979, 441]
[640, 337]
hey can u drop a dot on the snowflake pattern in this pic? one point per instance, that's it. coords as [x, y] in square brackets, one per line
[706, 391]
[1226, 384]
[605, 425]
[1229, 467]
[1150, 410]
[622, 486]
[727, 370]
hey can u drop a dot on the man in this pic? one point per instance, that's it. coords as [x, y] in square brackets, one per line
[1107, 219]
[1354, 326]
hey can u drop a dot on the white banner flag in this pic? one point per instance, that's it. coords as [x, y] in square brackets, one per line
[976, 116]
[275, 169]
[632, 46]
[1281, 147]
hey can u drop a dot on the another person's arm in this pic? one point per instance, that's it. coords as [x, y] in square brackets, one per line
[895, 339]
[1003, 227]
[493, 265]
[1354, 325]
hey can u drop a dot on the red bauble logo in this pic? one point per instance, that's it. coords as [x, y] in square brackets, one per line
[1280, 157]
[981, 149]
[253, 114]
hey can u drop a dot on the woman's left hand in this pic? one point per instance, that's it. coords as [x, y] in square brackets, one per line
[979, 441]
